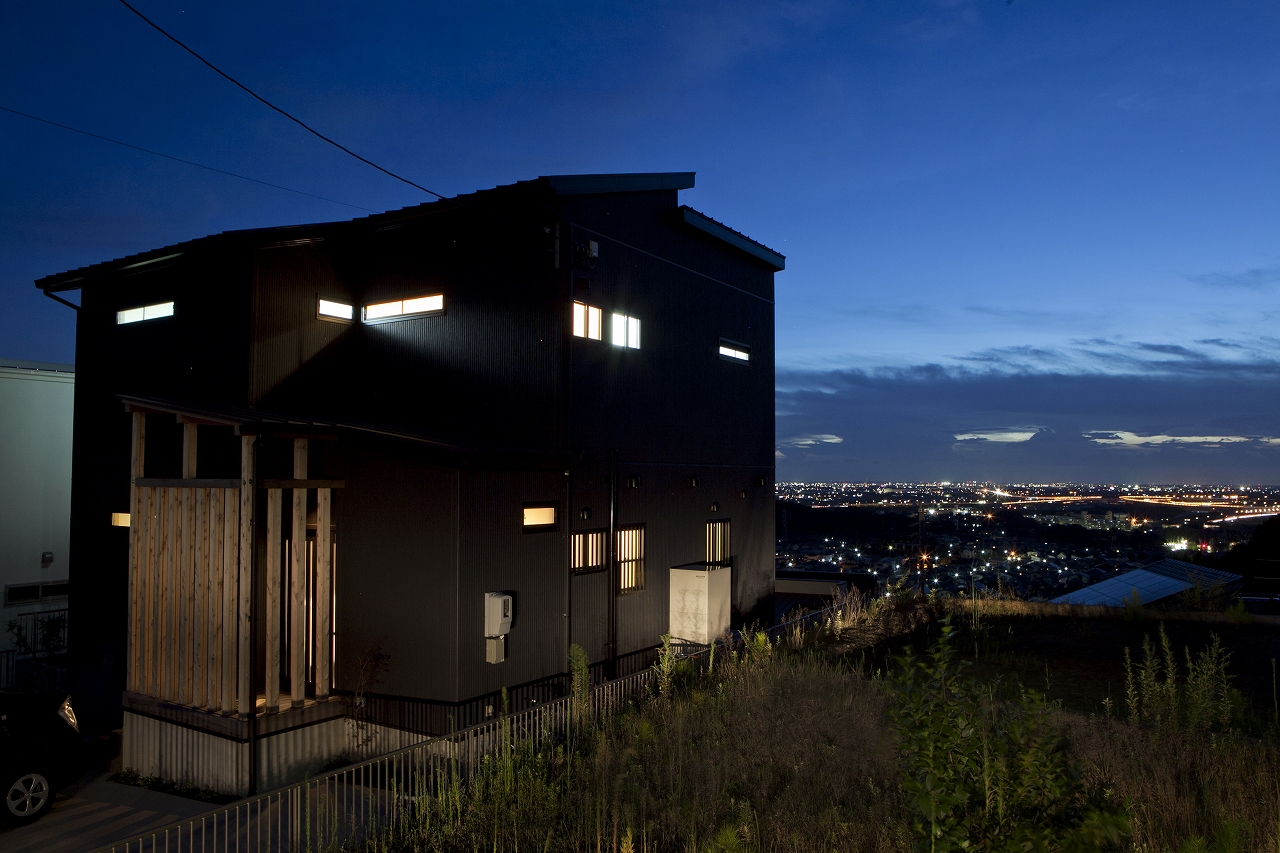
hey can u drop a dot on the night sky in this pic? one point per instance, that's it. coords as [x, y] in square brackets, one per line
[1026, 241]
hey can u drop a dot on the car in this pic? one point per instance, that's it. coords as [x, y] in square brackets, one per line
[41, 750]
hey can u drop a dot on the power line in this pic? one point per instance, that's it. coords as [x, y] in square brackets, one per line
[264, 101]
[180, 160]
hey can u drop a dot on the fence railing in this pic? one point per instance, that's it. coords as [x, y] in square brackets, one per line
[344, 806]
[43, 632]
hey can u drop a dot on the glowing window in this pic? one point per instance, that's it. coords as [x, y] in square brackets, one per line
[731, 351]
[334, 310]
[587, 321]
[145, 312]
[588, 550]
[540, 517]
[718, 549]
[432, 304]
[626, 332]
[630, 551]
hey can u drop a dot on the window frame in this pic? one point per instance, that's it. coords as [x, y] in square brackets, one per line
[629, 323]
[734, 347]
[41, 595]
[402, 316]
[171, 305]
[330, 318]
[637, 563]
[587, 309]
[603, 534]
[540, 528]
[714, 543]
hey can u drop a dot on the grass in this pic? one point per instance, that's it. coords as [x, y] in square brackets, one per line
[815, 743]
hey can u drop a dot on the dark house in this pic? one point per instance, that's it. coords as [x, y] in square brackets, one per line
[413, 457]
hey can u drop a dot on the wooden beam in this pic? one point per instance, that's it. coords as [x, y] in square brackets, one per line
[189, 435]
[195, 483]
[272, 606]
[324, 595]
[244, 582]
[302, 483]
[184, 588]
[298, 580]
[137, 457]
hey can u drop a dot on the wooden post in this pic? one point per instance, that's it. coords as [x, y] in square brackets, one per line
[272, 607]
[298, 581]
[151, 593]
[214, 608]
[230, 601]
[244, 583]
[200, 601]
[137, 456]
[169, 595]
[324, 596]
[185, 588]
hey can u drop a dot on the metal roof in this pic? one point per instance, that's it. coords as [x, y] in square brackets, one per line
[563, 185]
[1151, 583]
[736, 239]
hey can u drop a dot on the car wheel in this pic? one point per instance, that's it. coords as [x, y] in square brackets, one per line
[27, 797]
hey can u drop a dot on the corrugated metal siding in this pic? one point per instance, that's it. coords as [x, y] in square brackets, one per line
[397, 570]
[589, 618]
[496, 555]
[288, 281]
[184, 755]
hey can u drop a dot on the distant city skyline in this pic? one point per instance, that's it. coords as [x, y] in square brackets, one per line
[1024, 242]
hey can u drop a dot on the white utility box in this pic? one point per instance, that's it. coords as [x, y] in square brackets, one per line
[497, 614]
[701, 599]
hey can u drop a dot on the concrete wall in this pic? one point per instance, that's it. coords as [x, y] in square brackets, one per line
[35, 477]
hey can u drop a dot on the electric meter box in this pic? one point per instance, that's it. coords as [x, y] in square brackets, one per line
[700, 602]
[497, 614]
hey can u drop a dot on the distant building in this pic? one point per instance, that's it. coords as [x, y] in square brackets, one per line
[36, 402]
[464, 435]
[1156, 582]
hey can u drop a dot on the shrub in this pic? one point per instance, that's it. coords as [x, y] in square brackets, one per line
[982, 775]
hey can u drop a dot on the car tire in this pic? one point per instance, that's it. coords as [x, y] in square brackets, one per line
[27, 796]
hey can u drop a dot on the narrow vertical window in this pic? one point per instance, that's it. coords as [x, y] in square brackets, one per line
[588, 551]
[626, 332]
[586, 321]
[630, 551]
[719, 551]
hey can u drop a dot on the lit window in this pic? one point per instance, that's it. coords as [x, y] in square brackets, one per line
[630, 551]
[334, 310]
[718, 550]
[432, 304]
[587, 321]
[588, 550]
[731, 351]
[540, 517]
[626, 332]
[145, 312]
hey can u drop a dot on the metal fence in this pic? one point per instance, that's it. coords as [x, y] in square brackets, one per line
[346, 805]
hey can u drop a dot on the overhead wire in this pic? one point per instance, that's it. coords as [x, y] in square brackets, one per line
[279, 110]
[181, 160]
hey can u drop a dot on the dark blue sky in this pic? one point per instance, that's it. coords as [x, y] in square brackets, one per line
[1028, 240]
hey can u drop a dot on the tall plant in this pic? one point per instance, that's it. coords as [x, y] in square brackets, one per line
[983, 775]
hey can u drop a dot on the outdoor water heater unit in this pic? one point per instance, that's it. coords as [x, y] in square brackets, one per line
[701, 599]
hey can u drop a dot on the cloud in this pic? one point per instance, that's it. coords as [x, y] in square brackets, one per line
[1254, 278]
[1004, 435]
[810, 440]
[1270, 442]
[1124, 438]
